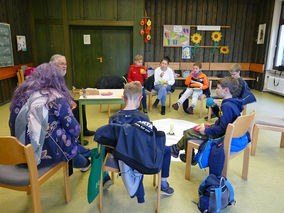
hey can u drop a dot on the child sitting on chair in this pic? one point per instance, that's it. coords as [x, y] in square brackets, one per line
[230, 109]
[197, 82]
[132, 96]
[138, 72]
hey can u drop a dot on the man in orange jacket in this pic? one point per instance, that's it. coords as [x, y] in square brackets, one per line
[197, 82]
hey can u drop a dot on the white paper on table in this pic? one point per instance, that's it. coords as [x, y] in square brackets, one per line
[179, 127]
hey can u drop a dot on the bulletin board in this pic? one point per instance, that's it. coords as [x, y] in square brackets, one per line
[6, 51]
[176, 35]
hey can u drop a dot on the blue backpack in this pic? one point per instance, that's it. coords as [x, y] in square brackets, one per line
[215, 193]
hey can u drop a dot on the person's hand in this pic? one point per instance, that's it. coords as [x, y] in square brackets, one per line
[202, 130]
[162, 74]
[74, 105]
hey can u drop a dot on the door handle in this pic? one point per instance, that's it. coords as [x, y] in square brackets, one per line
[100, 59]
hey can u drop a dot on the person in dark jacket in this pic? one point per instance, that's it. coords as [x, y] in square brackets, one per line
[229, 110]
[132, 96]
[243, 91]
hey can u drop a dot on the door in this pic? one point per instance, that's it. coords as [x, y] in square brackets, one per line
[108, 53]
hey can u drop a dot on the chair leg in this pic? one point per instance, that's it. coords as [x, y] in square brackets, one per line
[209, 113]
[35, 196]
[254, 139]
[201, 108]
[154, 180]
[112, 176]
[66, 183]
[282, 140]
[246, 162]
[159, 192]
[101, 191]
[170, 102]
[226, 165]
[188, 161]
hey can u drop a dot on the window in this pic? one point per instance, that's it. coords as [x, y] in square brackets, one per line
[279, 54]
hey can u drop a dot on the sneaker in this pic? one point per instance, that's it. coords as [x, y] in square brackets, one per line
[190, 110]
[88, 133]
[163, 110]
[182, 157]
[107, 182]
[175, 106]
[85, 169]
[166, 189]
[174, 151]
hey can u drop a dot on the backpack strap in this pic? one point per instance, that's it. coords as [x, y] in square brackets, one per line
[231, 197]
[218, 192]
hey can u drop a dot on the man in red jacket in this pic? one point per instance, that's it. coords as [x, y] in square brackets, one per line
[138, 72]
[197, 82]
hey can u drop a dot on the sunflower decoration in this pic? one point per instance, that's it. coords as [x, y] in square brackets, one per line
[216, 37]
[195, 38]
[224, 49]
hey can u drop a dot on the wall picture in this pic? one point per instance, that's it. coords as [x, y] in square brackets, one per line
[261, 34]
[21, 43]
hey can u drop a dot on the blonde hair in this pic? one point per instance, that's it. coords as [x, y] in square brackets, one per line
[138, 58]
[132, 90]
[198, 64]
[235, 68]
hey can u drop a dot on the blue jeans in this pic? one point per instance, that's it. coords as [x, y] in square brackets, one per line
[166, 162]
[144, 99]
[81, 159]
[162, 92]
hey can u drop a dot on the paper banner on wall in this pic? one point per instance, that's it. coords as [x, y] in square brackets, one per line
[176, 35]
[21, 43]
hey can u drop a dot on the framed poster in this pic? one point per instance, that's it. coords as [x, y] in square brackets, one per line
[21, 43]
[261, 34]
[186, 50]
[176, 35]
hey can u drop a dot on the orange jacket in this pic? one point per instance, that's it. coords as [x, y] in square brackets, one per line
[191, 81]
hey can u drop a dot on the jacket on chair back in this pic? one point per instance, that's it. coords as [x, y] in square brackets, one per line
[139, 145]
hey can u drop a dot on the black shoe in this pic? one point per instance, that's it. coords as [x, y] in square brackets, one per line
[156, 103]
[175, 106]
[145, 111]
[88, 133]
[85, 142]
[190, 110]
[182, 157]
[163, 110]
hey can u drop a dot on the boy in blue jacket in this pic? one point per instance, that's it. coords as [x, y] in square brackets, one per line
[132, 95]
[229, 110]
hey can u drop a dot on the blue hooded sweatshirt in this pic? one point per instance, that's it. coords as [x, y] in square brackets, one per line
[230, 109]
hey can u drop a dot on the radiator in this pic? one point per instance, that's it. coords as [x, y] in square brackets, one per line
[276, 84]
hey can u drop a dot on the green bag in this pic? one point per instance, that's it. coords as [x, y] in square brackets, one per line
[95, 174]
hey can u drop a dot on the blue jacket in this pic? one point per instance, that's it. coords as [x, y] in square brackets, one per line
[244, 92]
[230, 109]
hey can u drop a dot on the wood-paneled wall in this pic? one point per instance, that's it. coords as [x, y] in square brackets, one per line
[17, 14]
[243, 17]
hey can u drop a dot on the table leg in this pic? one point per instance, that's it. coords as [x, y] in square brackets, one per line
[81, 120]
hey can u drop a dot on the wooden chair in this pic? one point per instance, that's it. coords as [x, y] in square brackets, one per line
[26, 178]
[236, 129]
[153, 93]
[267, 123]
[20, 76]
[110, 166]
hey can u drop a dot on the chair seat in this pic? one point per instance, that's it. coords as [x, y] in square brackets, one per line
[270, 121]
[18, 175]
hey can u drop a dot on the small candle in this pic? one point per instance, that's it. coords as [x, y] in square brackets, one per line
[171, 128]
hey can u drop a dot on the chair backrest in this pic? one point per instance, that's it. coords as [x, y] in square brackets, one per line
[12, 152]
[238, 128]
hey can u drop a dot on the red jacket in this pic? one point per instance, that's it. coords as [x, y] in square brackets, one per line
[134, 74]
[191, 81]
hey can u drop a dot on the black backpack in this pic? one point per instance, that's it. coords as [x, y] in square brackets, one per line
[215, 193]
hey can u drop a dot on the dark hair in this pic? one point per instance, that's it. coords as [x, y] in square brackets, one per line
[46, 77]
[166, 58]
[229, 82]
